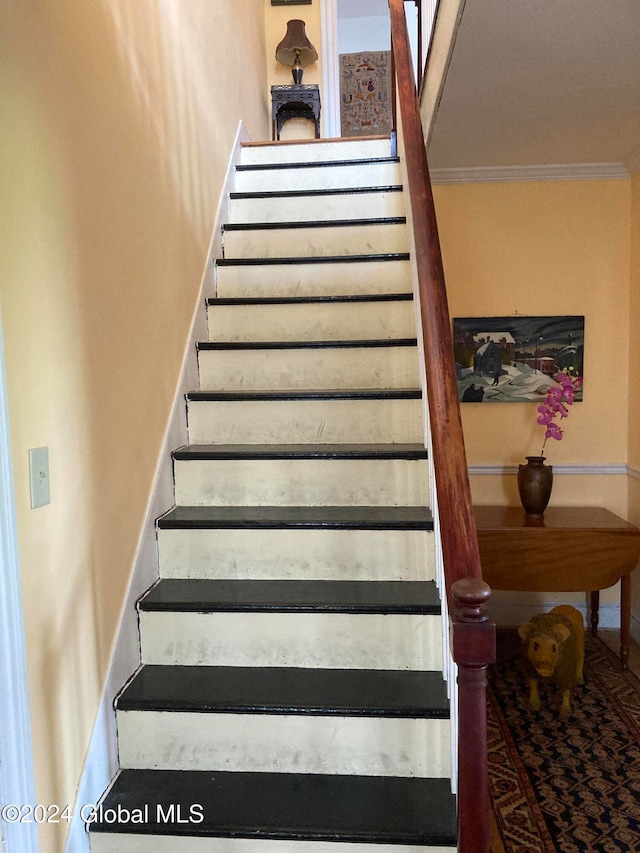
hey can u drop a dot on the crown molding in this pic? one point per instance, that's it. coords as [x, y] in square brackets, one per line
[632, 161]
[544, 172]
[479, 470]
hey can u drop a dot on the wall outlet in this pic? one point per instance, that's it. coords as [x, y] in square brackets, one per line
[39, 476]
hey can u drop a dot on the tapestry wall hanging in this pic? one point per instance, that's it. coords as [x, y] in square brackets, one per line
[365, 93]
[514, 359]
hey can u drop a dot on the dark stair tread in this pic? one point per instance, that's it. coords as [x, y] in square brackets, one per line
[287, 690]
[313, 259]
[287, 517]
[375, 343]
[393, 188]
[302, 300]
[372, 809]
[313, 223]
[314, 164]
[332, 394]
[205, 595]
[299, 451]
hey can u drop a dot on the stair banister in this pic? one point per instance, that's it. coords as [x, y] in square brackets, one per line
[472, 634]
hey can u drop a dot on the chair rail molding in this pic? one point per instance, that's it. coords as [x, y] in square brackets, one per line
[591, 470]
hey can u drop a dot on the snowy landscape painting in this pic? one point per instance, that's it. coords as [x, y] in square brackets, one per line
[514, 359]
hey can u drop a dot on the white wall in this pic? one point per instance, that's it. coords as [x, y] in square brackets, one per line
[358, 30]
[360, 34]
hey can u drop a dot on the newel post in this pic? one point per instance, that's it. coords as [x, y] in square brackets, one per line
[474, 648]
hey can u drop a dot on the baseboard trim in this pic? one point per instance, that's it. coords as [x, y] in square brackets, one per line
[101, 761]
[591, 470]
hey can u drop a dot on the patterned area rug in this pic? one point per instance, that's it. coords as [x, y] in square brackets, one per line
[565, 786]
[365, 93]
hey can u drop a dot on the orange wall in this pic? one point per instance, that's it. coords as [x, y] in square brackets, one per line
[276, 18]
[634, 328]
[634, 382]
[117, 120]
[545, 248]
[556, 247]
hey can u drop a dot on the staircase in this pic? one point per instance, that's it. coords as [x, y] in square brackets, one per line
[291, 695]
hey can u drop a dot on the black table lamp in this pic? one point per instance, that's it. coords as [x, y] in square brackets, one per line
[296, 50]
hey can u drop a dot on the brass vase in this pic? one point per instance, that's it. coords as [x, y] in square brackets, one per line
[535, 480]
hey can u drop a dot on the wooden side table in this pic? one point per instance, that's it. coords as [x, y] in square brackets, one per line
[571, 549]
[295, 101]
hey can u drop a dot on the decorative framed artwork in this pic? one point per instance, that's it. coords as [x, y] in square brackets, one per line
[514, 359]
[366, 93]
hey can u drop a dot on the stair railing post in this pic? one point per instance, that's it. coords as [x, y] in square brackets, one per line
[474, 648]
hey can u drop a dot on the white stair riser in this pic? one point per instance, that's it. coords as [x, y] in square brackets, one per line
[297, 554]
[318, 178]
[306, 422]
[311, 152]
[311, 208]
[308, 368]
[314, 242]
[301, 482]
[115, 842]
[350, 278]
[284, 743]
[320, 321]
[325, 640]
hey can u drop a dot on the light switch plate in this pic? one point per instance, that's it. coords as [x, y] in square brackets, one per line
[39, 476]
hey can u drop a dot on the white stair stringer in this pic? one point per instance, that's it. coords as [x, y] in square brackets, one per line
[290, 689]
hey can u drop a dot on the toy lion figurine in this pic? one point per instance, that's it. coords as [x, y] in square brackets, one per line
[554, 650]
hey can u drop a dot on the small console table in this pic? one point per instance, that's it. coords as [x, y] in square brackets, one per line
[570, 549]
[295, 101]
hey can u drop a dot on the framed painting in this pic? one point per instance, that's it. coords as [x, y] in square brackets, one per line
[366, 93]
[514, 359]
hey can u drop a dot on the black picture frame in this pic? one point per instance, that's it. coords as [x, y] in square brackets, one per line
[291, 2]
[515, 359]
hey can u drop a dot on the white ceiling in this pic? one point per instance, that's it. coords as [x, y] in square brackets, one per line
[536, 82]
[362, 8]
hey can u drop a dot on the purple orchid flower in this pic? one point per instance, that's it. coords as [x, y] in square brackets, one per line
[558, 398]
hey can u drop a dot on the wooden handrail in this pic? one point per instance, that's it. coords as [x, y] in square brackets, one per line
[473, 636]
[459, 537]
